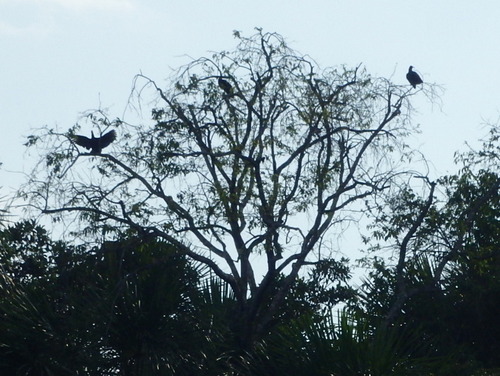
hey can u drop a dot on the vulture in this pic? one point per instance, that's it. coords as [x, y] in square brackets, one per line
[413, 77]
[96, 144]
[226, 86]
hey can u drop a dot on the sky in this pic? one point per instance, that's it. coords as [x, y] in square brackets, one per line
[59, 58]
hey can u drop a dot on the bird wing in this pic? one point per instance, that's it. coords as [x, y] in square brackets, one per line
[83, 141]
[410, 79]
[107, 138]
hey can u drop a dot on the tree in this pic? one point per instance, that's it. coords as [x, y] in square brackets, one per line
[444, 277]
[129, 307]
[262, 172]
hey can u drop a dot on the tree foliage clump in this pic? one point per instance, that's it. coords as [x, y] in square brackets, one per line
[129, 307]
[444, 273]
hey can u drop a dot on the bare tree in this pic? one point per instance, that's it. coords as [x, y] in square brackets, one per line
[259, 170]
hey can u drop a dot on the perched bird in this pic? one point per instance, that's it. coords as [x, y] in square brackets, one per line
[226, 86]
[95, 143]
[413, 77]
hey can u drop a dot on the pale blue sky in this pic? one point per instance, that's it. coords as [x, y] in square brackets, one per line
[59, 58]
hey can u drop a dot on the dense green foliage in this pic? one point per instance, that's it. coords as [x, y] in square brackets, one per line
[128, 306]
[446, 283]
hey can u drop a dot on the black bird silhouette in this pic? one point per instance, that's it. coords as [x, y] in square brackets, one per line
[95, 143]
[226, 86]
[413, 77]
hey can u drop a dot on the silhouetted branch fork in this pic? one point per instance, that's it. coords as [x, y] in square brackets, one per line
[171, 204]
[336, 208]
[151, 230]
[401, 292]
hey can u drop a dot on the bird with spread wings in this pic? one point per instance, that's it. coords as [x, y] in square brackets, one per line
[95, 144]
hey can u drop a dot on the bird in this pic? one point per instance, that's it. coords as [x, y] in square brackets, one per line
[96, 144]
[226, 86]
[413, 77]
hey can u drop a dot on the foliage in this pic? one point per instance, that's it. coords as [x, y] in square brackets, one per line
[445, 278]
[344, 345]
[130, 307]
